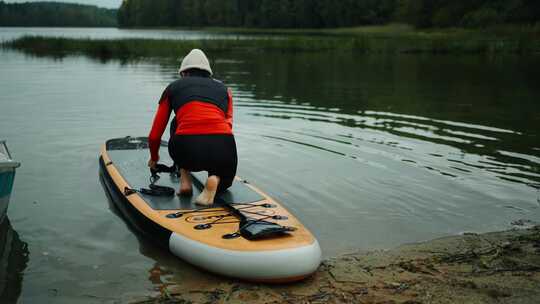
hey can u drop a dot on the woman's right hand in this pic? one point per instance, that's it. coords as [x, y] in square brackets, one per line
[152, 164]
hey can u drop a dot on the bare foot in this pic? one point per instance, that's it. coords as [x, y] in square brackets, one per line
[206, 198]
[186, 187]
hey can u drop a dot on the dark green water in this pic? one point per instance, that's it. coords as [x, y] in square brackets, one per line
[368, 151]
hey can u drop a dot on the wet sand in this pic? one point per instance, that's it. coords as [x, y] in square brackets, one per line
[498, 267]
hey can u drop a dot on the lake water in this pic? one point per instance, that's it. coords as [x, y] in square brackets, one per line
[368, 151]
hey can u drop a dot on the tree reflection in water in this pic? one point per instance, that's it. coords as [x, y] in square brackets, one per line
[13, 260]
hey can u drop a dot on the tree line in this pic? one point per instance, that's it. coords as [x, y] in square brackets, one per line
[255, 13]
[56, 14]
[275, 13]
[327, 13]
[467, 13]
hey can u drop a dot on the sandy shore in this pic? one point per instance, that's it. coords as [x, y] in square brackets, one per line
[499, 267]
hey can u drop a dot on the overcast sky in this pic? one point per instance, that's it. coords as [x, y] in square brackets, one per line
[102, 3]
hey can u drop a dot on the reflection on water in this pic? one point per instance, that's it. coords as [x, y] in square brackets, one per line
[9, 33]
[475, 143]
[368, 151]
[427, 105]
[13, 260]
[166, 269]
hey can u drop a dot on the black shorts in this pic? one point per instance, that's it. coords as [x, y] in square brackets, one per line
[215, 153]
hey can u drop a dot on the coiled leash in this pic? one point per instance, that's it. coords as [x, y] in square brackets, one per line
[249, 227]
[153, 189]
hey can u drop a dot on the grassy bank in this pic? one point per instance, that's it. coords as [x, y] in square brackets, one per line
[393, 29]
[362, 40]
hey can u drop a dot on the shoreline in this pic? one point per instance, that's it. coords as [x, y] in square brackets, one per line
[502, 267]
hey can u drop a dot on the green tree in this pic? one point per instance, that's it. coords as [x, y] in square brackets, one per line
[55, 14]
[324, 13]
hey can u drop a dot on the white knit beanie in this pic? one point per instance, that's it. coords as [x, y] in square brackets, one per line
[196, 59]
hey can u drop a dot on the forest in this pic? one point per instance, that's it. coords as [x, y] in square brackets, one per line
[56, 14]
[327, 13]
[276, 13]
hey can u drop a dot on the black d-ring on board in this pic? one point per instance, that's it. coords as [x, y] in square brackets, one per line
[229, 236]
[174, 215]
[128, 191]
[202, 226]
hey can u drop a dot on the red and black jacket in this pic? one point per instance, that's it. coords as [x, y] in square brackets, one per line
[202, 105]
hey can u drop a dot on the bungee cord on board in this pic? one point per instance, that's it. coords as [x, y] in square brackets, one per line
[250, 227]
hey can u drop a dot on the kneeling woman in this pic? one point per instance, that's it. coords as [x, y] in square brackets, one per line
[202, 138]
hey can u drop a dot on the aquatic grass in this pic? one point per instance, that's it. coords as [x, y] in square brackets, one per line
[393, 28]
[453, 41]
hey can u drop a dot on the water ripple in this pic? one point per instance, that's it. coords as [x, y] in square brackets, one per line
[431, 144]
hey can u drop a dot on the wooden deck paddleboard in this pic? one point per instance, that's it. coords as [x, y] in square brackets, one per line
[209, 237]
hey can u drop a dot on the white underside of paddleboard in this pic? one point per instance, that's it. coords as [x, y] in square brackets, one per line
[251, 265]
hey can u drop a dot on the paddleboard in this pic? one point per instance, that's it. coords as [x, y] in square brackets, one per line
[246, 234]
